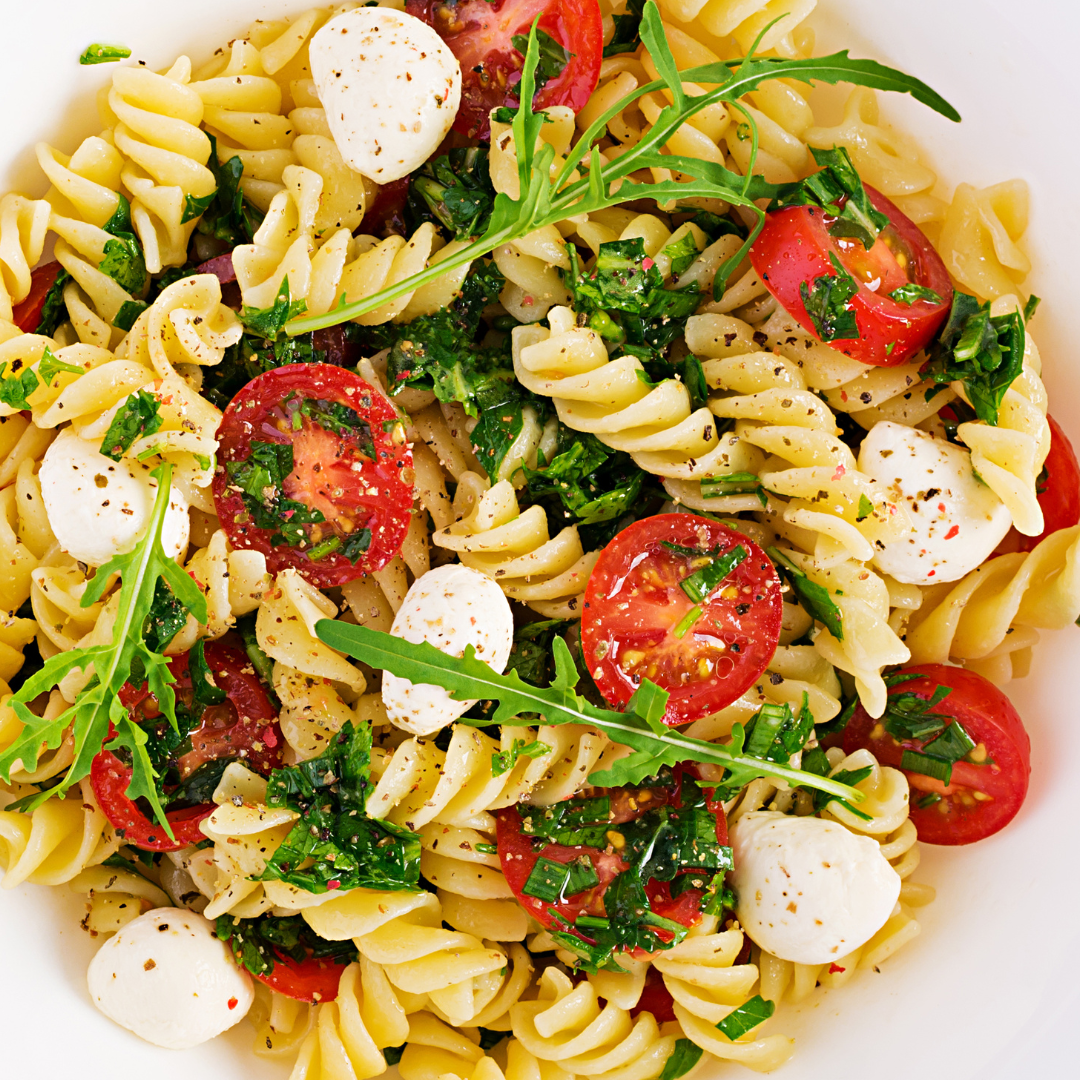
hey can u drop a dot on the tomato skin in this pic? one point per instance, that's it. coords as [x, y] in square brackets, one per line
[313, 979]
[244, 726]
[990, 719]
[386, 214]
[627, 613]
[1060, 498]
[655, 998]
[26, 315]
[794, 248]
[479, 34]
[375, 496]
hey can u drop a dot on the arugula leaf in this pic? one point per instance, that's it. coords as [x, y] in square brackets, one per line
[746, 1017]
[626, 38]
[16, 389]
[639, 727]
[912, 293]
[335, 844]
[113, 664]
[548, 195]
[269, 322]
[530, 655]
[552, 59]
[984, 352]
[123, 257]
[229, 217]
[826, 303]
[53, 311]
[814, 597]
[139, 416]
[103, 54]
[259, 944]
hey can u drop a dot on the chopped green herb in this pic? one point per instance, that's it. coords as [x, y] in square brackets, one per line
[984, 352]
[826, 303]
[815, 598]
[703, 582]
[269, 322]
[908, 716]
[552, 58]
[504, 761]
[912, 293]
[1031, 307]
[139, 416]
[627, 36]
[951, 745]
[553, 882]
[103, 54]
[866, 508]
[123, 256]
[934, 767]
[731, 484]
[746, 1017]
[681, 1060]
[928, 800]
[50, 366]
[453, 190]
[195, 208]
[229, 217]
[53, 311]
[15, 390]
[129, 312]
[259, 944]
[686, 623]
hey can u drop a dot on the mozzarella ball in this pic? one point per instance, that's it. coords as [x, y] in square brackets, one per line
[809, 890]
[450, 607]
[166, 977]
[390, 87]
[99, 508]
[956, 520]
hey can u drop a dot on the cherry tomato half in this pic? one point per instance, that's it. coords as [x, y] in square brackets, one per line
[345, 504]
[985, 792]
[518, 854]
[794, 248]
[479, 34]
[27, 313]
[634, 625]
[313, 979]
[244, 726]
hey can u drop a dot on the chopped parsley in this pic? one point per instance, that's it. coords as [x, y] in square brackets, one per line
[123, 256]
[826, 302]
[261, 943]
[139, 416]
[454, 191]
[815, 598]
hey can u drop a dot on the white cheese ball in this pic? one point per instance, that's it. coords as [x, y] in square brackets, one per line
[390, 87]
[167, 978]
[957, 521]
[99, 508]
[809, 890]
[450, 607]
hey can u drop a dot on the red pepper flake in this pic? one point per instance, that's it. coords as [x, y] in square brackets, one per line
[233, 1002]
[941, 507]
[954, 531]
[647, 263]
[836, 969]
[527, 301]
[269, 737]
[931, 573]
[840, 471]
[334, 884]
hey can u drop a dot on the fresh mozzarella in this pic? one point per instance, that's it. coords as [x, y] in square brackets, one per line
[166, 977]
[809, 890]
[390, 88]
[956, 520]
[450, 607]
[98, 507]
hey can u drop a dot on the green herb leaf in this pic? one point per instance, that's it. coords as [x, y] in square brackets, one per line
[626, 37]
[139, 416]
[815, 598]
[866, 508]
[53, 311]
[194, 208]
[15, 389]
[229, 216]
[553, 882]
[826, 303]
[1031, 307]
[114, 664]
[984, 352]
[269, 322]
[953, 744]
[259, 944]
[639, 727]
[913, 761]
[103, 54]
[552, 59]
[50, 366]
[912, 293]
[682, 1059]
[123, 257]
[453, 190]
[702, 583]
[908, 716]
[503, 761]
[746, 1017]
[335, 844]
[165, 619]
[129, 312]
[738, 483]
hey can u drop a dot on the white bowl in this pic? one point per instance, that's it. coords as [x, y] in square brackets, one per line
[989, 989]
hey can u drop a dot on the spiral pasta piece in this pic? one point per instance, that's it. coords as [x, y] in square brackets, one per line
[514, 548]
[23, 225]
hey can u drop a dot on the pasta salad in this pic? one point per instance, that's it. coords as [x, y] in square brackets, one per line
[507, 643]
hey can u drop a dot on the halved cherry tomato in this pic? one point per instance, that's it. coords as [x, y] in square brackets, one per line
[635, 611]
[479, 34]
[518, 854]
[794, 248]
[655, 998]
[386, 214]
[313, 979]
[244, 726]
[985, 792]
[351, 471]
[27, 313]
[1059, 490]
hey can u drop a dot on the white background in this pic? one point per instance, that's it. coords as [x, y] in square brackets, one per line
[989, 991]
